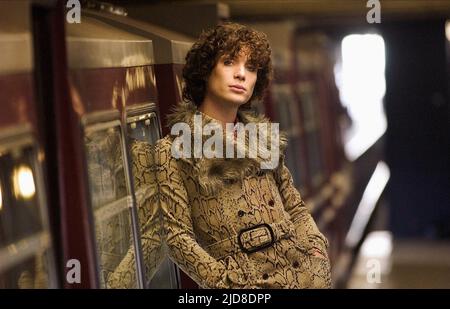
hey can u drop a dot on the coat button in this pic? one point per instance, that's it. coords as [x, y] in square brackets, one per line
[271, 202]
[265, 276]
[295, 264]
[241, 213]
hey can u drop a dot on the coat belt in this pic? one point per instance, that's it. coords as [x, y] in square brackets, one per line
[252, 239]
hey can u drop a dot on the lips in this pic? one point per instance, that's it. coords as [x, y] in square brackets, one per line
[237, 87]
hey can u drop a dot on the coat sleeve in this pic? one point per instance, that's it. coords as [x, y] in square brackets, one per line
[183, 248]
[294, 205]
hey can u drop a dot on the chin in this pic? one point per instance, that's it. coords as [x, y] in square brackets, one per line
[240, 102]
[236, 101]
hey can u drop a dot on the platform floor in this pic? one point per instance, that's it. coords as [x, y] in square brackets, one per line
[385, 263]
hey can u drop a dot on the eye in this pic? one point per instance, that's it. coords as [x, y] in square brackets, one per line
[228, 62]
[252, 68]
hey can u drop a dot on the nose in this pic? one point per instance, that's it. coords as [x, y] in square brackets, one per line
[240, 72]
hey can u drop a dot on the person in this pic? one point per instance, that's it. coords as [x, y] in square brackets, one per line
[228, 222]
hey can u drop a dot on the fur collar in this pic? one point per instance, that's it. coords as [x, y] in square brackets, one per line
[215, 172]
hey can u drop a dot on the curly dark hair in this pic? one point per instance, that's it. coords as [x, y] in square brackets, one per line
[226, 39]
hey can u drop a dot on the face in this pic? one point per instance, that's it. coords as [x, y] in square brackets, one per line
[231, 81]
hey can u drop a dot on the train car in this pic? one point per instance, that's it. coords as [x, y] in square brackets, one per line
[94, 114]
[27, 251]
[113, 88]
[170, 49]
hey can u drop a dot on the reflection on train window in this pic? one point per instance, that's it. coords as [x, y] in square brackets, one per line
[143, 128]
[20, 215]
[110, 198]
[24, 242]
[165, 278]
[31, 273]
[143, 132]
[23, 182]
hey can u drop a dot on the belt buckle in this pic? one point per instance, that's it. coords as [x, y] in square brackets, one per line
[260, 247]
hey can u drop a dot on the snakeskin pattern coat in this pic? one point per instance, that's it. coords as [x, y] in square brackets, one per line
[230, 224]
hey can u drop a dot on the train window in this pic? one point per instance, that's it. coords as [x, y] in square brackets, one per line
[110, 198]
[143, 132]
[26, 256]
[143, 127]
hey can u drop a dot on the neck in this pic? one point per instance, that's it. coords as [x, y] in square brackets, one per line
[225, 113]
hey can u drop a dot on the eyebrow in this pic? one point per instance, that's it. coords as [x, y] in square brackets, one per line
[228, 56]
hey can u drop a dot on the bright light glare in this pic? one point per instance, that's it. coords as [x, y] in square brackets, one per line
[23, 182]
[362, 87]
[378, 245]
[447, 30]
